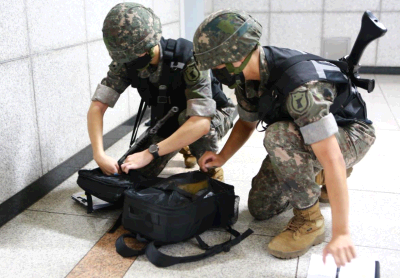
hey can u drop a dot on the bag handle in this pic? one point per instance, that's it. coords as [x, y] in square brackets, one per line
[126, 251]
[159, 259]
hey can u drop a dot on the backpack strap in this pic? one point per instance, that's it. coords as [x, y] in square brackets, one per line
[162, 98]
[116, 225]
[161, 260]
[124, 250]
[89, 202]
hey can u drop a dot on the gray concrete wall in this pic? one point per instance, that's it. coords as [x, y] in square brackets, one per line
[303, 24]
[51, 59]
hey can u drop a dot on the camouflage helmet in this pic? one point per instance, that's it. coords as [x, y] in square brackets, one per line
[225, 37]
[129, 30]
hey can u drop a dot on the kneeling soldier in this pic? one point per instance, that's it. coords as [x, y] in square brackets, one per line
[307, 131]
[165, 74]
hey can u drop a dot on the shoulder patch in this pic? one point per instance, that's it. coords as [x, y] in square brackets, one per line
[115, 67]
[191, 73]
[300, 102]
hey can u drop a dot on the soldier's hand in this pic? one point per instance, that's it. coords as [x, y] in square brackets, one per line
[108, 165]
[137, 161]
[210, 160]
[341, 248]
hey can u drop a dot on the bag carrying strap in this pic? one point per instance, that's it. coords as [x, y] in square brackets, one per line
[89, 202]
[139, 117]
[161, 260]
[116, 225]
[124, 250]
[162, 98]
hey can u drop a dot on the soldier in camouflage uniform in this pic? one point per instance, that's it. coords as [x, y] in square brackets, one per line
[132, 34]
[298, 147]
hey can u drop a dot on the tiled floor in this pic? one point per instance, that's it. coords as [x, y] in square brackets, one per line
[51, 237]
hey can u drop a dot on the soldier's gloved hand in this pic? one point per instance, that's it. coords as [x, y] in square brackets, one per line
[210, 160]
[137, 161]
[107, 164]
[341, 248]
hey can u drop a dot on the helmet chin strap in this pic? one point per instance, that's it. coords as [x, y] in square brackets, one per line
[238, 71]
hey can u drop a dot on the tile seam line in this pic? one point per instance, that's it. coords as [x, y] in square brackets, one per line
[390, 108]
[377, 43]
[69, 214]
[33, 87]
[357, 245]
[87, 48]
[64, 47]
[321, 41]
[47, 51]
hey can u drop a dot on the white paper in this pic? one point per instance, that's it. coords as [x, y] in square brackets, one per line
[359, 267]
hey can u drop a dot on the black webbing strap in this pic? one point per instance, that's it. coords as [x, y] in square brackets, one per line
[161, 260]
[89, 202]
[116, 224]
[278, 70]
[124, 250]
[162, 98]
[139, 117]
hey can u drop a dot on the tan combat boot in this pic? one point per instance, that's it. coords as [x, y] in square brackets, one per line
[305, 229]
[216, 173]
[320, 179]
[190, 160]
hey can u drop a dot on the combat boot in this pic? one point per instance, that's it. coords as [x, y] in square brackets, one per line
[190, 160]
[216, 173]
[305, 229]
[320, 179]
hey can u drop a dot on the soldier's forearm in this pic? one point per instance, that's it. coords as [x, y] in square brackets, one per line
[193, 129]
[241, 132]
[95, 129]
[329, 155]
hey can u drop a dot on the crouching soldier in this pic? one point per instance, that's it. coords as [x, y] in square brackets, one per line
[165, 75]
[307, 131]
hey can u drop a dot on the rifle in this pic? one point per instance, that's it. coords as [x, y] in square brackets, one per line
[150, 132]
[371, 29]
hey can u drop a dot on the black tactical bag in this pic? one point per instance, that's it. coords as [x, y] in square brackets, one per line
[108, 188]
[176, 209]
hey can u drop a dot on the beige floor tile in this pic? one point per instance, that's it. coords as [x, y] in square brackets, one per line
[39, 244]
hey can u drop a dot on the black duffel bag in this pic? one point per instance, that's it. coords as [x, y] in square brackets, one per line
[108, 188]
[176, 209]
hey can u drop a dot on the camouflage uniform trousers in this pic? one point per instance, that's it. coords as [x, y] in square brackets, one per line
[220, 125]
[287, 175]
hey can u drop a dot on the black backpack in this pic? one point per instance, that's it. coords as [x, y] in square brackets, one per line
[176, 209]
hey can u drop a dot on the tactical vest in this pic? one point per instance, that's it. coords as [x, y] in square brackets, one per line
[291, 68]
[172, 86]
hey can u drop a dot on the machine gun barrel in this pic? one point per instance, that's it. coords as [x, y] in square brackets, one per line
[148, 133]
[371, 29]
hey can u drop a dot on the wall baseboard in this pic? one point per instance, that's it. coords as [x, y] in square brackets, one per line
[380, 70]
